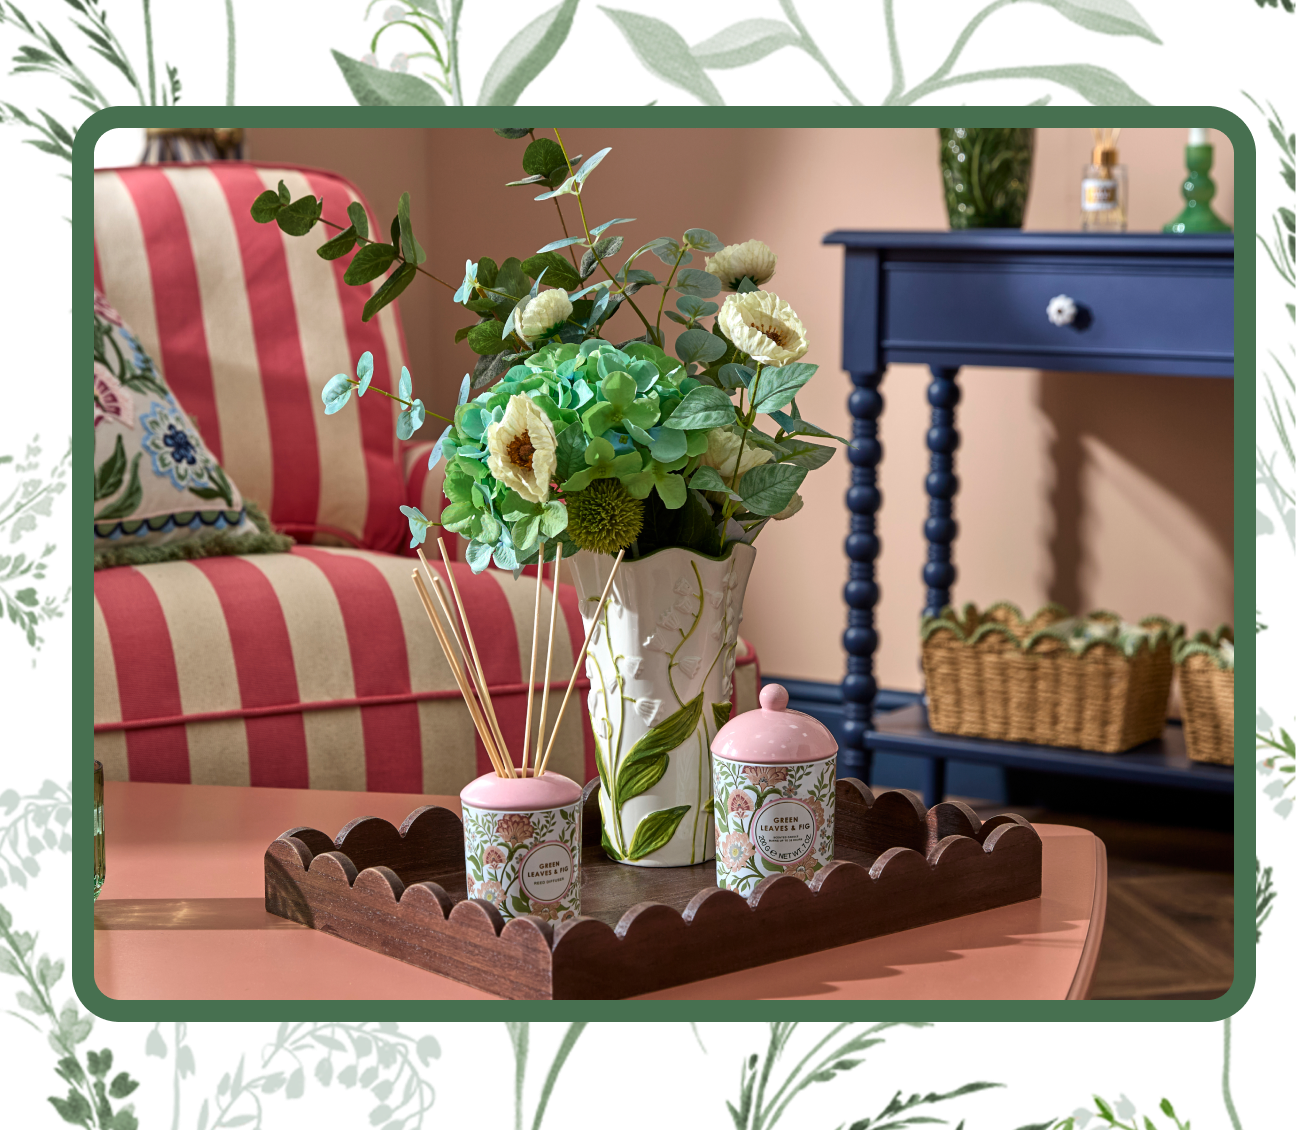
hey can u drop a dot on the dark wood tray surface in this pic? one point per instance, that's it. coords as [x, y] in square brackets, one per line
[402, 892]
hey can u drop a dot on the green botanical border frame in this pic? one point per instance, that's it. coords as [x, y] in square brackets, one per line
[1244, 386]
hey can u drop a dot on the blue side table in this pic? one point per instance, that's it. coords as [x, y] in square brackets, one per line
[1154, 303]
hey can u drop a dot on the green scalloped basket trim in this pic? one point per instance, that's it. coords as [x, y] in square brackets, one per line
[1077, 632]
[1217, 645]
[213, 543]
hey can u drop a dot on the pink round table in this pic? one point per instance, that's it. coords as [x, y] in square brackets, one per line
[181, 917]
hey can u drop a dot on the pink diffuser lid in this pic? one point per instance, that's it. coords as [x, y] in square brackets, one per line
[774, 735]
[521, 794]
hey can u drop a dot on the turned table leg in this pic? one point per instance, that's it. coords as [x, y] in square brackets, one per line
[940, 529]
[863, 499]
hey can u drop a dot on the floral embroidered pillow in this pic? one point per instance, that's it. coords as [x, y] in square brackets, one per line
[159, 494]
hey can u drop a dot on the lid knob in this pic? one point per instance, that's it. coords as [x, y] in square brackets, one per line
[773, 697]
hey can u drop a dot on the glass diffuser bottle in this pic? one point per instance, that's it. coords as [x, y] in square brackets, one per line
[1104, 191]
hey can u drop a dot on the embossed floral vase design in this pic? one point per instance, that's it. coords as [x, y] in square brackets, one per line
[522, 839]
[661, 670]
[775, 776]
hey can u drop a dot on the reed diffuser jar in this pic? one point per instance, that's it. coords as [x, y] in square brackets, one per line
[1104, 190]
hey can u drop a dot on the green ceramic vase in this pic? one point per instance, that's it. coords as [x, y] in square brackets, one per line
[987, 175]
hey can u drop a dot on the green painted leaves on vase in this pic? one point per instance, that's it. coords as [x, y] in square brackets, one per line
[720, 711]
[655, 830]
[526, 55]
[647, 760]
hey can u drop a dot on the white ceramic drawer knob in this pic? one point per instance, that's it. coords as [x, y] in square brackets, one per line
[1062, 310]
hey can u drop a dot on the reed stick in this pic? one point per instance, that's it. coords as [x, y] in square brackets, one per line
[474, 665]
[461, 679]
[580, 659]
[472, 644]
[553, 609]
[535, 635]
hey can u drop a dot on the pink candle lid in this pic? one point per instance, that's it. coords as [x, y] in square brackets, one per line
[774, 735]
[521, 794]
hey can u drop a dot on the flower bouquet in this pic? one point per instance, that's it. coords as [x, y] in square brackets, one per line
[562, 441]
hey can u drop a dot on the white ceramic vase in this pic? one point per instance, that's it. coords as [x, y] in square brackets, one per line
[661, 666]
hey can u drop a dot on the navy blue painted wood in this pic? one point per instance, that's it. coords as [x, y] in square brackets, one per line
[1148, 303]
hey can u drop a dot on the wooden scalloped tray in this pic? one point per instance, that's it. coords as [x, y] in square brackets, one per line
[402, 892]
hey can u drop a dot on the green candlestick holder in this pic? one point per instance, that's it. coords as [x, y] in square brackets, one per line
[1198, 190]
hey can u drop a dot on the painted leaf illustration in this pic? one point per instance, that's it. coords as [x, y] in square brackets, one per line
[742, 43]
[663, 51]
[373, 86]
[655, 831]
[1096, 85]
[1111, 17]
[526, 55]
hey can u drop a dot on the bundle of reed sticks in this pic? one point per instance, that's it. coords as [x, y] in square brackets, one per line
[465, 663]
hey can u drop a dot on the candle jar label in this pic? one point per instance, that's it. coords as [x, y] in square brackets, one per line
[524, 862]
[772, 820]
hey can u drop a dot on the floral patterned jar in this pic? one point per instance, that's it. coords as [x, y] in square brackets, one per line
[774, 775]
[522, 840]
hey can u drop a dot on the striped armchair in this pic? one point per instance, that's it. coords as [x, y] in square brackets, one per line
[315, 668]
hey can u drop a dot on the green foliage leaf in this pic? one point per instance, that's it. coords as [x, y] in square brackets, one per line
[777, 388]
[370, 261]
[542, 156]
[338, 246]
[700, 284]
[1110, 17]
[513, 134]
[511, 279]
[266, 206]
[662, 50]
[811, 456]
[603, 249]
[708, 478]
[558, 270]
[374, 86]
[409, 246]
[389, 291]
[526, 55]
[359, 221]
[655, 831]
[744, 43]
[703, 407]
[300, 216]
[486, 337]
[769, 488]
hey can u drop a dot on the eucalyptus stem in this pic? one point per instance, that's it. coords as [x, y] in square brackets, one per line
[229, 52]
[580, 205]
[749, 418]
[365, 239]
[148, 46]
[666, 289]
[401, 400]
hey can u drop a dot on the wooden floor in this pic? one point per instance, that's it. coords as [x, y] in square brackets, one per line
[1169, 931]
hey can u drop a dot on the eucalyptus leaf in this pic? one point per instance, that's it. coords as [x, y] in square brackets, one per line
[389, 291]
[560, 243]
[700, 284]
[359, 221]
[513, 134]
[370, 261]
[266, 206]
[543, 155]
[557, 269]
[300, 216]
[591, 164]
[698, 345]
[702, 240]
[486, 337]
[338, 246]
[735, 376]
[598, 231]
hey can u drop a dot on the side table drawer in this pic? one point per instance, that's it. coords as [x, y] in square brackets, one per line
[1174, 316]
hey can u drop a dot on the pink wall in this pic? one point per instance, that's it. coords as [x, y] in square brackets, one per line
[1099, 491]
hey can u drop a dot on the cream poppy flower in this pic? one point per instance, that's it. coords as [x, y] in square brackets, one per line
[722, 454]
[763, 326]
[523, 449]
[538, 317]
[751, 260]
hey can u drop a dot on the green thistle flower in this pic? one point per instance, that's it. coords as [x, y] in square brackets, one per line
[603, 518]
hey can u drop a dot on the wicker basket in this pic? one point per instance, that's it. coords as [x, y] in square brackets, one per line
[1093, 683]
[1205, 665]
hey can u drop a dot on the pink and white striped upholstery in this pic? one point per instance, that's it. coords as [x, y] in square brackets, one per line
[247, 324]
[315, 668]
[318, 669]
